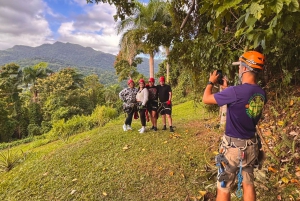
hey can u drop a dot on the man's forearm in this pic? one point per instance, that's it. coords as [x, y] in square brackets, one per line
[208, 96]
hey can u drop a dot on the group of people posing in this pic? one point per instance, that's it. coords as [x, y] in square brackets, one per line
[147, 98]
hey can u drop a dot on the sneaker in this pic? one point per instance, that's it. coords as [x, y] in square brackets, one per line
[139, 129]
[124, 127]
[142, 130]
[129, 127]
[165, 127]
[171, 129]
[155, 128]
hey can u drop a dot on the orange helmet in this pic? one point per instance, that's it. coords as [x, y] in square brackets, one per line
[253, 59]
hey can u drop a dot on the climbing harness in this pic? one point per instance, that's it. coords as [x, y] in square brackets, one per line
[221, 163]
[239, 191]
[241, 145]
[162, 107]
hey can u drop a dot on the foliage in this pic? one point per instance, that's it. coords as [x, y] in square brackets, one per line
[102, 115]
[9, 160]
[63, 129]
[34, 129]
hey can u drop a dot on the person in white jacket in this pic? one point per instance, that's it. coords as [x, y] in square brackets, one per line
[142, 99]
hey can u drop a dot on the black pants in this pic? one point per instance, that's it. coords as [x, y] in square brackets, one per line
[129, 117]
[143, 116]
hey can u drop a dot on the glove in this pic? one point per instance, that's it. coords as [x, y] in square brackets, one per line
[141, 107]
[168, 102]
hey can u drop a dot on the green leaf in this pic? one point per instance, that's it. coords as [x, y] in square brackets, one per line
[273, 22]
[294, 6]
[256, 10]
[278, 6]
[251, 21]
[239, 32]
[240, 21]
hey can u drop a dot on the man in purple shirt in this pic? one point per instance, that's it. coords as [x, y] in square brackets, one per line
[239, 145]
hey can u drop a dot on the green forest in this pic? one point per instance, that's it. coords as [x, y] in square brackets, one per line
[197, 37]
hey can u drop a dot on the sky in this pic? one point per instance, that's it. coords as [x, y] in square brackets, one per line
[36, 22]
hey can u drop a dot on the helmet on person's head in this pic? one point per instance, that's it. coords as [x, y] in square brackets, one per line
[253, 59]
[130, 81]
[151, 79]
[142, 81]
[162, 79]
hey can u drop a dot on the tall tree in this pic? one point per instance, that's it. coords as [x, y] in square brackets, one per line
[31, 74]
[11, 78]
[145, 24]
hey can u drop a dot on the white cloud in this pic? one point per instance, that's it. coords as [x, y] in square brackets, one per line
[26, 24]
[23, 23]
[95, 28]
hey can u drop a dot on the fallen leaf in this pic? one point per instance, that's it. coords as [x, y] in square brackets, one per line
[285, 180]
[165, 142]
[45, 174]
[73, 191]
[292, 102]
[126, 147]
[171, 173]
[74, 179]
[280, 123]
[272, 169]
[279, 197]
[267, 133]
[294, 114]
[202, 193]
[294, 181]
[215, 152]
[104, 193]
[293, 133]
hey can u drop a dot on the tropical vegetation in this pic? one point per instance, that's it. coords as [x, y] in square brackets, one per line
[38, 106]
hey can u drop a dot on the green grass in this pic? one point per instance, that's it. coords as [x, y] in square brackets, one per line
[109, 164]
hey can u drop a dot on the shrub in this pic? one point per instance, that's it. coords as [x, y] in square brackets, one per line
[9, 160]
[33, 129]
[102, 114]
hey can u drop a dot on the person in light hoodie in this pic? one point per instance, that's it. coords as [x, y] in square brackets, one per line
[128, 96]
[142, 99]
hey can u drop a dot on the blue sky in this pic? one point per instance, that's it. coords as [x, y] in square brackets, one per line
[35, 22]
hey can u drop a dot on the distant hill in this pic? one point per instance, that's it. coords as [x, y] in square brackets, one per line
[61, 55]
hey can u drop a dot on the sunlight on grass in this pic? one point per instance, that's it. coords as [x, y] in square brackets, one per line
[109, 164]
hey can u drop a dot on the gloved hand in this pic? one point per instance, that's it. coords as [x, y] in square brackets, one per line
[141, 107]
[168, 102]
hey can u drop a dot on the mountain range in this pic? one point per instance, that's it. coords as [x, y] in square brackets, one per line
[61, 55]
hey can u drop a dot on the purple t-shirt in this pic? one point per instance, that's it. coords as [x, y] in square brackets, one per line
[244, 108]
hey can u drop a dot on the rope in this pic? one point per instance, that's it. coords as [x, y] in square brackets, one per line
[239, 191]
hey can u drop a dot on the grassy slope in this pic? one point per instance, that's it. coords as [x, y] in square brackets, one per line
[109, 164]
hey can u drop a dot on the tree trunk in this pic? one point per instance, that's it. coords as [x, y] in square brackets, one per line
[168, 65]
[151, 64]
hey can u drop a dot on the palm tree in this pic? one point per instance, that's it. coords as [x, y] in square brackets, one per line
[31, 74]
[144, 27]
